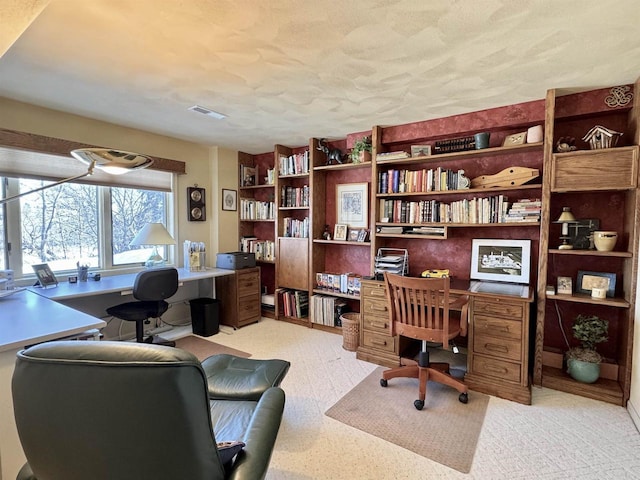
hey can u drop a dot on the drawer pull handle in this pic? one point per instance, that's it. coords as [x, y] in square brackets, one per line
[496, 369]
[379, 325]
[379, 309]
[492, 347]
[499, 328]
[378, 342]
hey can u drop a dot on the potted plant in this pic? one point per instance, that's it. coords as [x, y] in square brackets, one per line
[361, 151]
[583, 362]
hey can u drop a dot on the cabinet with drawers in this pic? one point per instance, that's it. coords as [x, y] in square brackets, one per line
[239, 296]
[376, 343]
[498, 360]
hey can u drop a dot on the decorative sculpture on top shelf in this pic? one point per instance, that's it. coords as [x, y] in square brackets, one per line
[333, 154]
[601, 137]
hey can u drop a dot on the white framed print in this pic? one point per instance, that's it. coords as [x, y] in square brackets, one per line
[229, 199]
[352, 204]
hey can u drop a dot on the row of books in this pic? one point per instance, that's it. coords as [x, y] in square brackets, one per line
[296, 228]
[494, 209]
[264, 250]
[424, 180]
[294, 196]
[294, 164]
[251, 209]
[326, 310]
[431, 231]
[348, 283]
[295, 303]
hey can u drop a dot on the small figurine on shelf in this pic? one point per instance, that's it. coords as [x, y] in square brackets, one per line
[566, 144]
[333, 154]
[326, 235]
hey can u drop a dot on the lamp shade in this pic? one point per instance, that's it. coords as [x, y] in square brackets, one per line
[153, 234]
[566, 216]
[115, 162]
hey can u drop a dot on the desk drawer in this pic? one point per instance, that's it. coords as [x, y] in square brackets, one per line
[498, 307]
[248, 309]
[375, 306]
[248, 283]
[373, 289]
[497, 327]
[497, 347]
[496, 368]
[379, 342]
[376, 323]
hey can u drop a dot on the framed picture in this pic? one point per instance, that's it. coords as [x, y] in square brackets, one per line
[515, 139]
[352, 204]
[362, 235]
[45, 275]
[229, 199]
[500, 260]
[340, 232]
[420, 150]
[590, 280]
[353, 234]
[581, 233]
[565, 286]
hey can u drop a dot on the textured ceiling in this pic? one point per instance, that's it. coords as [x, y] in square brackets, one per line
[284, 70]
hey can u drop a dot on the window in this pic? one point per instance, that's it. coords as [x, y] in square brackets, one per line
[73, 222]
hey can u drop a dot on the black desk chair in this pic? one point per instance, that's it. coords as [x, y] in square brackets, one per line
[151, 288]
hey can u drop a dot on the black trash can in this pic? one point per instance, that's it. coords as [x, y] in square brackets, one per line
[205, 316]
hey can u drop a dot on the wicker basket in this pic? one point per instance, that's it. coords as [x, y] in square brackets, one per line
[350, 330]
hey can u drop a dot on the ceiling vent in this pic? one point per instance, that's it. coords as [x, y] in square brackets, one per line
[206, 111]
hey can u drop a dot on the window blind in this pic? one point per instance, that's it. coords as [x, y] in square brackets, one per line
[43, 166]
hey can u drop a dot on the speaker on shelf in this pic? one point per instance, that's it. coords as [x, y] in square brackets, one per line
[195, 204]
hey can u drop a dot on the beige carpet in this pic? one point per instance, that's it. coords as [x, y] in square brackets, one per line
[202, 348]
[445, 431]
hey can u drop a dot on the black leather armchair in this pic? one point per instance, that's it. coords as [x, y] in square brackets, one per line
[113, 410]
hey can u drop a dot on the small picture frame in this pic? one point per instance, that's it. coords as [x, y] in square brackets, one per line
[229, 200]
[362, 235]
[565, 286]
[590, 280]
[45, 276]
[420, 150]
[515, 139]
[340, 232]
[353, 234]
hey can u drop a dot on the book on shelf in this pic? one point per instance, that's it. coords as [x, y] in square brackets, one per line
[326, 310]
[396, 155]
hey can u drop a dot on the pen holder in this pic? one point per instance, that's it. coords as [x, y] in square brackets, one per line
[197, 261]
[83, 274]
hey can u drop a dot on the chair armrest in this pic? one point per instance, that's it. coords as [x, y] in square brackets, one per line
[253, 461]
[462, 303]
[25, 473]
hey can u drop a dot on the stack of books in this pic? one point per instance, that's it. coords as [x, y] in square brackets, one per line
[524, 210]
[397, 155]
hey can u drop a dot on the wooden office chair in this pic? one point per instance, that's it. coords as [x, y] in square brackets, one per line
[419, 309]
[151, 288]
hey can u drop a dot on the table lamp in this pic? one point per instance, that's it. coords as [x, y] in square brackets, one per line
[153, 234]
[114, 162]
[565, 218]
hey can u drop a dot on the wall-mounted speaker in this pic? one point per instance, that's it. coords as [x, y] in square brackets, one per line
[195, 204]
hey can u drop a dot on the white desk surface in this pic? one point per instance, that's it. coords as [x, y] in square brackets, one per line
[27, 318]
[115, 283]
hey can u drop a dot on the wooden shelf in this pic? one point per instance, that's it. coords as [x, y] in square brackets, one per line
[527, 147]
[453, 225]
[297, 175]
[326, 328]
[584, 298]
[271, 262]
[341, 242]
[335, 294]
[343, 166]
[533, 186]
[258, 220]
[293, 208]
[591, 253]
[603, 389]
[256, 187]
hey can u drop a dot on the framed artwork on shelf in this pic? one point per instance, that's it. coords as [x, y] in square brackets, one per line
[362, 235]
[515, 139]
[581, 233]
[500, 260]
[340, 232]
[587, 281]
[229, 199]
[420, 150]
[45, 275]
[353, 234]
[352, 204]
[565, 286]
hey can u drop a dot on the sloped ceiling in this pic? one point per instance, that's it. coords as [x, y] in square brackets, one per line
[284, 70]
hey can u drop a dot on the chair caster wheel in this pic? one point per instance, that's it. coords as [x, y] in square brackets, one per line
[383, 382]
[418, 404]
[464, 398]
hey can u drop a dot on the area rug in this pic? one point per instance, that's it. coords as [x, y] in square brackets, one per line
[202, 348]
[445, 431]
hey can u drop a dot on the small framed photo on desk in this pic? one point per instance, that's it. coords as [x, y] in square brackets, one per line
[45, 275]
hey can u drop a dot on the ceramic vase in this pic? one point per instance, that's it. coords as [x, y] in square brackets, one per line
[605, 241]
[581, 371]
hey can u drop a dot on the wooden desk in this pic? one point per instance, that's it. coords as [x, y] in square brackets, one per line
[498, 338]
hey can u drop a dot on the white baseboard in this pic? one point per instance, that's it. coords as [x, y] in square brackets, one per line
[633, 412]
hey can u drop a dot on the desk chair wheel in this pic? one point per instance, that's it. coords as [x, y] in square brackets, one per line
[418, 404]
[464, 398]
[383, 382]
